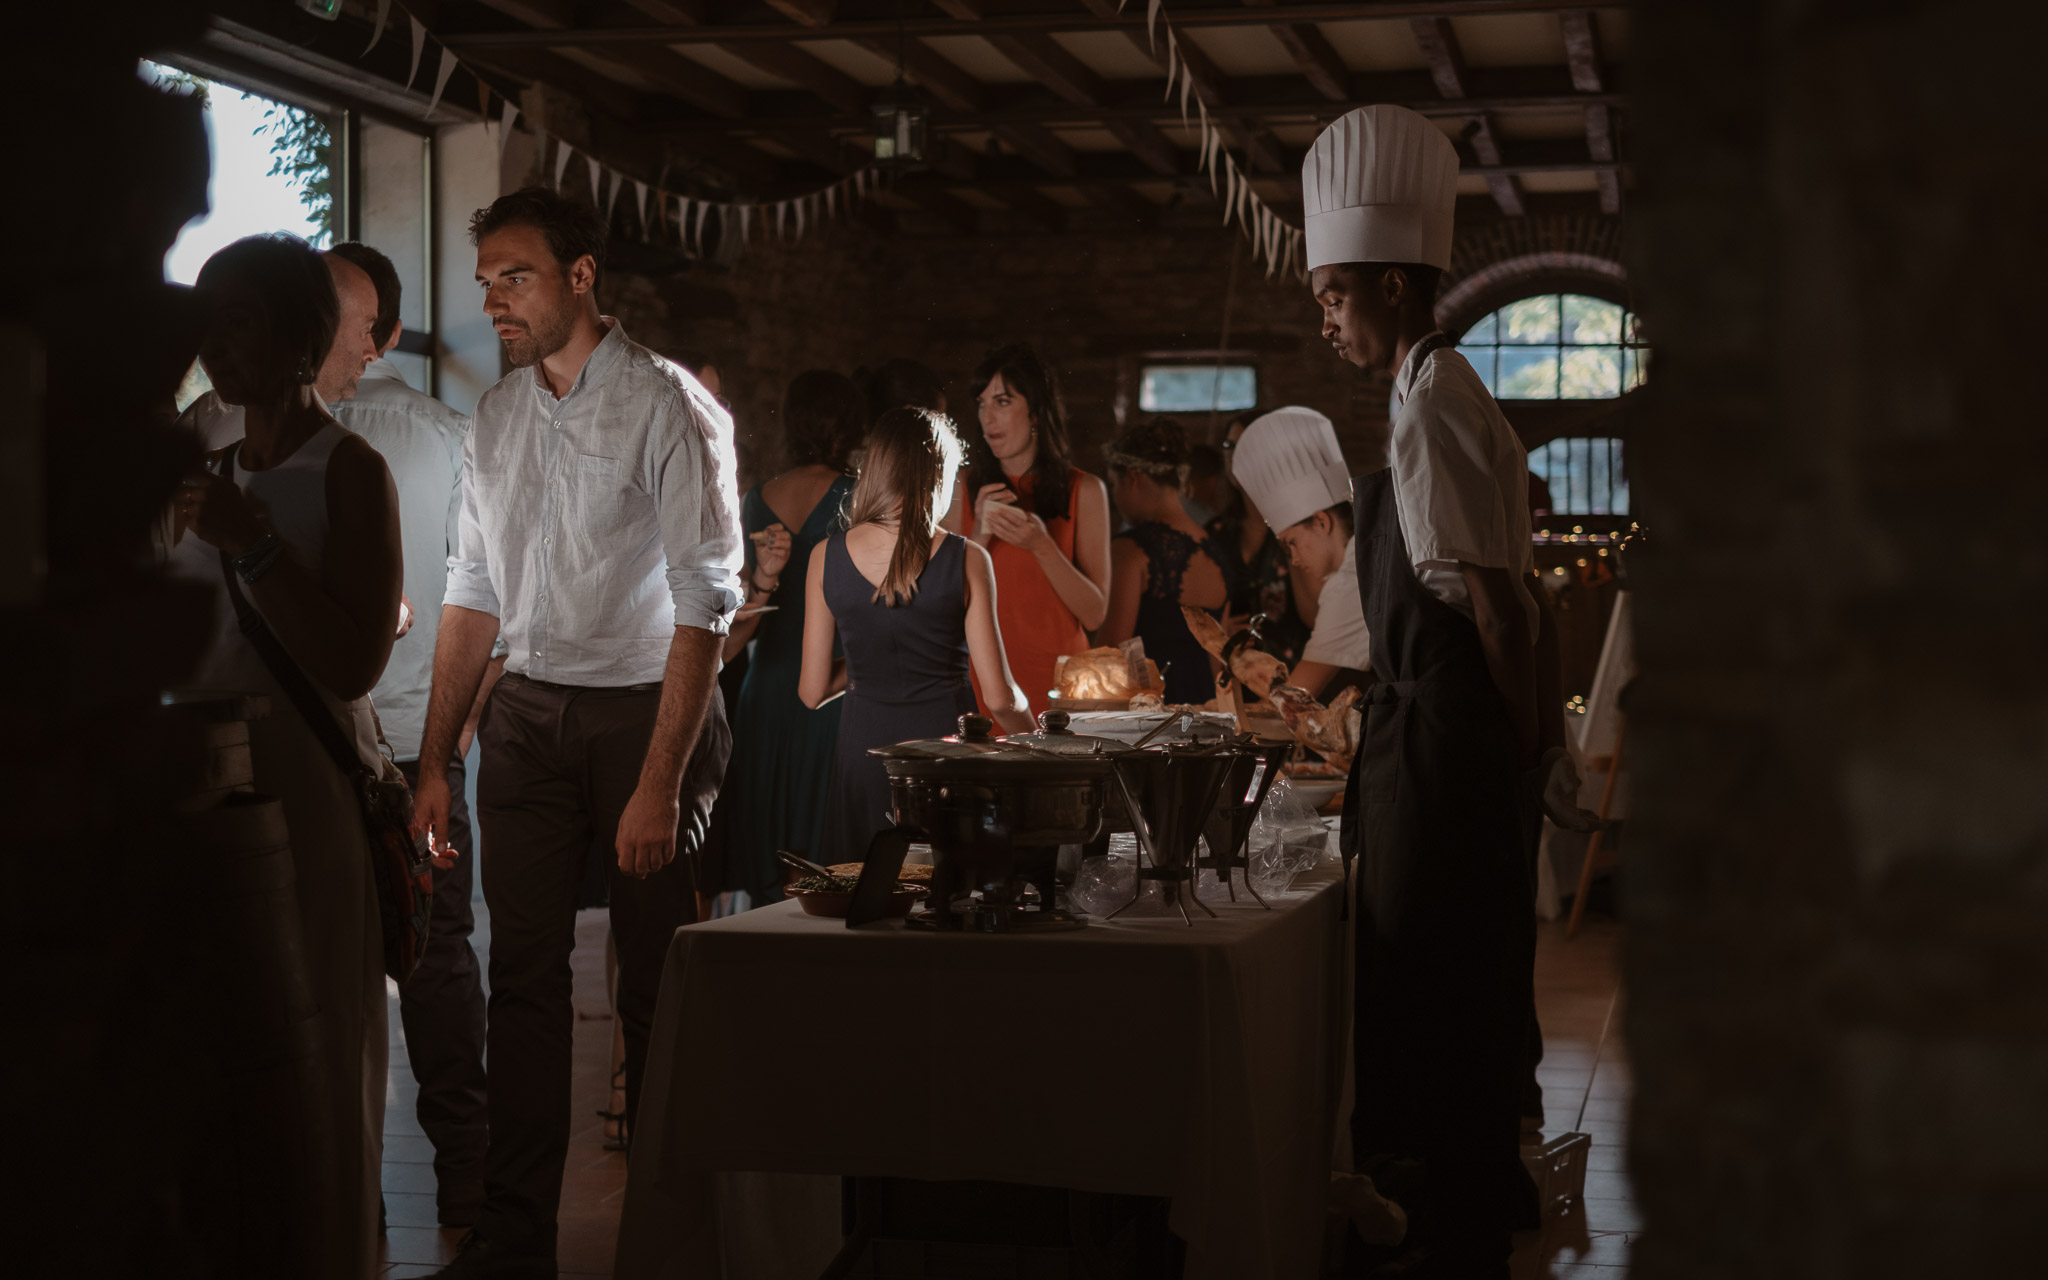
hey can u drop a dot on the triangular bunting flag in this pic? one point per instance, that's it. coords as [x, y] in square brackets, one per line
[611, 198]
[506, 115]
[781, 212]
[419, 45]
[1187, 82]
[746, 224]
[1172, 63]
[377, 31]
[595, 170]
[1151, 23]
[562, 153]
[832, 202]
[1229, 190]
[640, 197]
[702, 210]
[441, 80]
[683, 221]
[801, 207]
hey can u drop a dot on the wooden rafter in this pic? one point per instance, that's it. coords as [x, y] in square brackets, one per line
[1582, 55]
[1486, 149]
[1313, 53]
[657, 69]
[795, 64]
[1446, 59]
[1131, 18]
[1261, 149]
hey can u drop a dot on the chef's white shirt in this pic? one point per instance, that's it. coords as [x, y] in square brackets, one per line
[1461, 481]
[1339, 638]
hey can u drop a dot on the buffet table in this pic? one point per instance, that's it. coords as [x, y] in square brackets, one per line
[1138, 1056]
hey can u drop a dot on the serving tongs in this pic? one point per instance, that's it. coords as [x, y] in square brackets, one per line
[803, 864]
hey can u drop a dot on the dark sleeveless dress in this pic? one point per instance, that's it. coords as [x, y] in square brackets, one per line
[906, 677]
[1160, 623]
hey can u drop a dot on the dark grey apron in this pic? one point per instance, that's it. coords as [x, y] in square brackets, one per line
[1437, 823]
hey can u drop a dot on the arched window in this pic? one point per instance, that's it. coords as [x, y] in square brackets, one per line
[1558, 346]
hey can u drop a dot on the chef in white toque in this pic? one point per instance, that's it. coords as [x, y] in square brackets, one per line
[1443, 803]
[1289, 465]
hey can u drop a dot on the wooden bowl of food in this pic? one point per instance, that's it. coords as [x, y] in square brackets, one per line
[832, 896]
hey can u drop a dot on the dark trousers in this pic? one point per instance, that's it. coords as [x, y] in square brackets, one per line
[442, 1008]
[558, 767]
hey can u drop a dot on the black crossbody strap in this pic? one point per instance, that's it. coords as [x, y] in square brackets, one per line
[313, 709]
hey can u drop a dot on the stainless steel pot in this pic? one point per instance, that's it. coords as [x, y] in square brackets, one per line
[997, 810]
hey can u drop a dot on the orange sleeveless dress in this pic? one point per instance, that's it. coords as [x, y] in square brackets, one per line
[1036, 624]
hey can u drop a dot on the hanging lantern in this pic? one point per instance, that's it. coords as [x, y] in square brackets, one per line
[899, 118]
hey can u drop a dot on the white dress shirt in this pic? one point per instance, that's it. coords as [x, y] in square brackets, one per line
[421, 440]
[1461, 481]
[594, 525]
[1340, 638]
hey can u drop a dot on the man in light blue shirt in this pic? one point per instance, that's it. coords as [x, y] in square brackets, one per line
[442, 1003]
[599, 533]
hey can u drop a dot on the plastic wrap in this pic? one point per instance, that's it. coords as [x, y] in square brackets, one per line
[1287, 838]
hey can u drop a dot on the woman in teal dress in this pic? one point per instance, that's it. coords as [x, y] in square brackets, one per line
[781, 750]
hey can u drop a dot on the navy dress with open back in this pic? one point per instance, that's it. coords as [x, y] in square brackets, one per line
[906, 677]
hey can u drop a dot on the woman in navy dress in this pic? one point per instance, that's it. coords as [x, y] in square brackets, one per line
[775, 788]
[911, 606]
[1162, 561]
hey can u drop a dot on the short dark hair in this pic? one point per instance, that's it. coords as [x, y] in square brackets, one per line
[1339, 512]
[288, 277]
[1157, 448]
[902, 384]
[1204, 460]
[824, 417]
[1425, 279]
[572, 227]
[385, 277]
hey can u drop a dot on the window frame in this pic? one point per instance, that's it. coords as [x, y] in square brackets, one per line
[1629, 341]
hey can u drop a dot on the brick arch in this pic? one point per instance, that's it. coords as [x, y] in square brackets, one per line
[1495, 263]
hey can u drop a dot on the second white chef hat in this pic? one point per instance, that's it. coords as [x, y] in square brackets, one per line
[1380, 185]
[1288, 463]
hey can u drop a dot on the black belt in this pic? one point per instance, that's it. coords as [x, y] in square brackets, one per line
[584, 688]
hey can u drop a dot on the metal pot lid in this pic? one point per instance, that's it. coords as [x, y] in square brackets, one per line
[1054, 736]
[976, 741]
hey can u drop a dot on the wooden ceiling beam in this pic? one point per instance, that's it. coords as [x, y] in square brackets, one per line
[1312, 52]
[791, 62]
[1261, 148]
[1149, 143]
[932, 72]
[1507, 193]
[935, 199]
[1581, 49]
[1131, 19]
[659, 69]
[1446, 59]
[1037, 144]
[1600, 142]
[808, 13]
[1047, 61]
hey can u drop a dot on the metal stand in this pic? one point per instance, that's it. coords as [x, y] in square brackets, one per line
[1172, 854]
[1230, 827]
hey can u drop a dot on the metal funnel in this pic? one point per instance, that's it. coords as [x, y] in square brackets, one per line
[1172, 791]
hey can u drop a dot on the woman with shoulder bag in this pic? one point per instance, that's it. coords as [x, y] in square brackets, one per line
[295, 528]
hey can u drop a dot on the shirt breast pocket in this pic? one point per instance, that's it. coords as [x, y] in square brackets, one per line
[597, 488]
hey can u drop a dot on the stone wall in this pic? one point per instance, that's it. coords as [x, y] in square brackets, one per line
[1838, 894]
[1094, 301]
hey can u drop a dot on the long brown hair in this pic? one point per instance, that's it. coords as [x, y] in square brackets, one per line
[1052, 475]
[912, 455]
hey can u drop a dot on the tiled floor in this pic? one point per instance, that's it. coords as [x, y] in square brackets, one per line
[1585, 1089]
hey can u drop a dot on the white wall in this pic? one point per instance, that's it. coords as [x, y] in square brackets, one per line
[393, 220]
[467, 178]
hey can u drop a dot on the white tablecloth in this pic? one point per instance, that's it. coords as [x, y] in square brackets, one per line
[1137, 1056]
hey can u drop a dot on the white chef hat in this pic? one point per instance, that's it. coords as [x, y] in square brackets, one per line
[1380, 185]
[1288, 463]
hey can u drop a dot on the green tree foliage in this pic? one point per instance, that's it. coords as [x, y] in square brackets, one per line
[301, 151]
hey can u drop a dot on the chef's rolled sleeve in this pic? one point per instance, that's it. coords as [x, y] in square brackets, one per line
[700, 528]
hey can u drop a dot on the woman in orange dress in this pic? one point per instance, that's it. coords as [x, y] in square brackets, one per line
[1044, 521]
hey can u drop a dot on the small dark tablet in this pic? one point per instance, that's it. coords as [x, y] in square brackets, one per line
[878, 874]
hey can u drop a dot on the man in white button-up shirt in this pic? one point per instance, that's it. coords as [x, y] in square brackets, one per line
[599, 533]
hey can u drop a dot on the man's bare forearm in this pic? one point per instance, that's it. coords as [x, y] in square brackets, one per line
[462, 650]
[686, 685]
